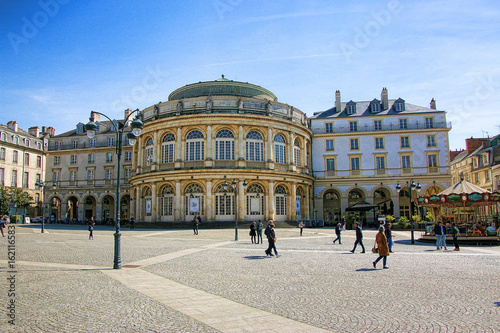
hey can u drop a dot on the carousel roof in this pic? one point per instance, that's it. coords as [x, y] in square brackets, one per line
[463, 187]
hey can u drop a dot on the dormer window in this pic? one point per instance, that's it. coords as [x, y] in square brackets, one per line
[399, 105]
[79, 128]
[113, 125]
[375, 106]
[351, 107]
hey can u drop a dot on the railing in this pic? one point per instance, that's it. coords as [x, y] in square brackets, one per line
[388, 172]
[385, 127]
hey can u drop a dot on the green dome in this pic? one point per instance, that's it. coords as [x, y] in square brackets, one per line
[222, 87]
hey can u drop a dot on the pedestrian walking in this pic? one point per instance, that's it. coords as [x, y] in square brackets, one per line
[383, 248]
[338, 230]
[388, 235]
[260, 228]
[132, 222]
[271, 238]
[301, 226]
[455, 233]
[359, 238]
[3, 223]
[196, 223]
[91, 228]
[253, 232]
[440, 232]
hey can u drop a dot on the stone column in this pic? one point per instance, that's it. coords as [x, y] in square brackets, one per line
[209, 205]
[304, 153]
[138, 213]
[178, 145]
[270, 202]
[154, 203]
[290, 159]
[139, 155]
[156, 151]
[270, 148]
[240, 145]
[293, 197]
[178, 202]
[306, 211]
[210, 144]
[241, 200]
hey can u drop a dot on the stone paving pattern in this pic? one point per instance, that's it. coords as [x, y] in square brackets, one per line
[65, 283]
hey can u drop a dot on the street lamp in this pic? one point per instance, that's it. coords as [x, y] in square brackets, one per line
[411, 186]
[136, 126]
[43, 185]
[235, 188]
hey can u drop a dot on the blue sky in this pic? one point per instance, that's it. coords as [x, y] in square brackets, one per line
[60, 59]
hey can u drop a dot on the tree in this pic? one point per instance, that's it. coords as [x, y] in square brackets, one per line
[4, 201]
[20, 198]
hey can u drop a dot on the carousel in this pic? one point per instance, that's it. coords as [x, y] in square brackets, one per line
[473, 209]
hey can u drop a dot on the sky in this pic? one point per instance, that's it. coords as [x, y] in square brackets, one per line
[61, 59]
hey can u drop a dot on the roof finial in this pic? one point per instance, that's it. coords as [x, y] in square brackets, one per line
[222, 75]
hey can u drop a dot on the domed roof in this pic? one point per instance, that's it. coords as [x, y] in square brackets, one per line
[222, 87]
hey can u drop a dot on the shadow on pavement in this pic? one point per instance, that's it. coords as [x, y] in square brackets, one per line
[254, 257]
[367, 269]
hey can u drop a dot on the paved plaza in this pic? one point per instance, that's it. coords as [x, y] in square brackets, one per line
[174, 281]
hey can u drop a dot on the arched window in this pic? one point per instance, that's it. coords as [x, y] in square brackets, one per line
[255, 200]
[148, 154]
[298, 202]
[195, 146]
[167, 201]
[148, 209]
[296, 153]
[224, 145]
[280, 196]
[279, 149]
[224, 201]
[168, 149]
[254, 146]
[194, 202]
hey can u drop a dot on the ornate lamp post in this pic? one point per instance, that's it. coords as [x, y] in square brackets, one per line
[235, 188]
[411, 186]
[43, 185]
[132, 136]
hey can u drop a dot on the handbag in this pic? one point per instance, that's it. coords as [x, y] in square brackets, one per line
[374, 248]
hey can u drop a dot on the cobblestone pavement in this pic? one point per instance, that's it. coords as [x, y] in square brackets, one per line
[64, 283]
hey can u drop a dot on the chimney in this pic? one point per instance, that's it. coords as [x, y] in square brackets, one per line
[35, 131]
[51, 131]
[12, 125]
[385, 99]
[472, 143]
[338, 102]
[96, 116]
[433, 104]
[44, 129]
[126, 114]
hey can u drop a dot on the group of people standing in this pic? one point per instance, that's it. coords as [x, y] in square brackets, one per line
[196, 224]
[440, 232]
[256, 229]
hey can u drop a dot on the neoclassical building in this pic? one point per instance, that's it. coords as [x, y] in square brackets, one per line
[220, 149]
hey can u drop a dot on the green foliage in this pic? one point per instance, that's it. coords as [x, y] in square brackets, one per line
[4, 201]
[416, 218]
[390, 218]
[21, 198]
[403, 222]
[429, 217]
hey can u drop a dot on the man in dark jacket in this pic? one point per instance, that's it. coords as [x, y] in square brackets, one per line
[271, 238]
[388, 234]
[338, 229]
[440, 232]
[359, 238]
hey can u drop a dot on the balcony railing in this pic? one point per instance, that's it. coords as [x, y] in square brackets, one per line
[385, 127]
[388, 172]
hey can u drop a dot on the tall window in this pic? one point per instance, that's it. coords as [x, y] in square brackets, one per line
[14, 178]
[355, 144]
[377, 125]
[167, 201]
[380, 162]
[14, 156]
[148, 152]
[254, 147]
[329, 127]
[167, 149]
[330, 145]
[109, 174]
[280, 200]
[354, 163]
[330, 164]
[90, 174]
[296, 153]
[353, 126]
[405, 142]
[429, 122]
[55, 176]
[432, 161]
[57, 160]
[75, 144]
[431, 141]
[111, 141]
[405, 162]
[224, 145]
[92, 143]
[39, 161]
[109, 157]
[224, 201]
[58, 145]
[26, 178]
[403, 123]
[375, 105]
[2, 176]
[91, 158]
[2, 154]
[26, 159]
[279, 149]
[255, 200]
[379, 143]
[73, 159]
[72, 176]
[195, 146]
[127, 173]
[128, 156]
